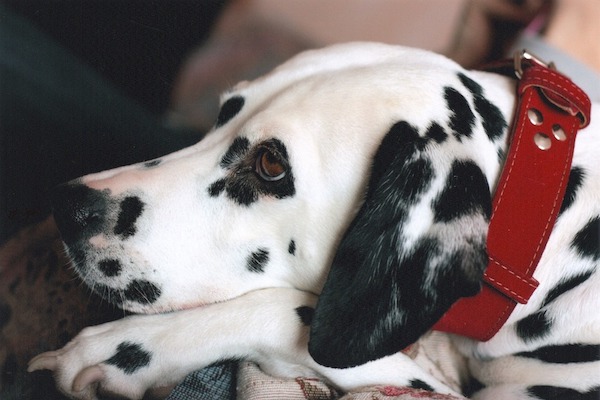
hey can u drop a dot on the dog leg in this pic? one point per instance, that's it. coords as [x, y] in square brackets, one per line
[270, 327]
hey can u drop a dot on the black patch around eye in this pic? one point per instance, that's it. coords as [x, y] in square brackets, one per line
[243, 184]
[566, 285]
[306, 314]
[561, 393]
[419, 384]
[462, 118]
[131, 209]
[565, 354]
[130, 357]
[142, 292]
[292, 247]
[493, 121]
[152, 163]
[110, 267]
[236, 151]
[257, 261]
[587, 240]
[466, 192]
[534, 326]
[242, 191]
[576, 177]
[229, 109]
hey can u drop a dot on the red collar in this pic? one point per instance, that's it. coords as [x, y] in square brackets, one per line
[550, 110]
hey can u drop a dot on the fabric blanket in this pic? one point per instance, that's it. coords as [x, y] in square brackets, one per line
[245, 381]
[434, 352]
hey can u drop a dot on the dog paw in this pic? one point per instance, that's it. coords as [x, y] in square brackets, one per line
[110, 359]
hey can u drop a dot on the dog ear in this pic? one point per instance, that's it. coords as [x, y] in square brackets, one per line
[416, 245]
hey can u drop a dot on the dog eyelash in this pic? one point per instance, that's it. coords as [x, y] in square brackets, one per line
[269, 166]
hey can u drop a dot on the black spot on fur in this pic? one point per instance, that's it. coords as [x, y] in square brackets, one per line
[436, 133]
[306, 314]
[534, 326]
[562, 393]
[575, 181]
[292, 247]
[565, 354]
[466, 192]
[217, 187]
[131, 209]
[566, 285]
[110, 267]
[152, 163]
[235, 152]
[587, 240]
[130, 357]
[256, 261]
[142, 292]
[229, 109]
[474, 87]
[492, 119]
[419, 384]
[462, 118]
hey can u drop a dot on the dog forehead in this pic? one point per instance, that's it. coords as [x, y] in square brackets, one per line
[358, 82]
[352, 55]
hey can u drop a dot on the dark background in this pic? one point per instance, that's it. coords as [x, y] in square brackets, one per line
[83, 85]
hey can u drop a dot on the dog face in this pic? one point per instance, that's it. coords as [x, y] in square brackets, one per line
[390, 148]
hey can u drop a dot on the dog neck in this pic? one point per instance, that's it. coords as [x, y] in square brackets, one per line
[550, 111]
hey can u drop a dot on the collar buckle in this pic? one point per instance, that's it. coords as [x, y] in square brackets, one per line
[525, 57]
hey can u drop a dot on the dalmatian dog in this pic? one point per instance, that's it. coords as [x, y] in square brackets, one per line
[387, 153]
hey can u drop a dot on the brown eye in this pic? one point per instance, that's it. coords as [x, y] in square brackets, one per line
[268, 166]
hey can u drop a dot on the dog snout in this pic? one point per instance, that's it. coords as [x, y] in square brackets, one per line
[79, 211]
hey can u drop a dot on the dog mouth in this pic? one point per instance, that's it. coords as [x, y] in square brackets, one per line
[112, 279]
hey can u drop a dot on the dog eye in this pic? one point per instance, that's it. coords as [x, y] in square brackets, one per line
[269, 166]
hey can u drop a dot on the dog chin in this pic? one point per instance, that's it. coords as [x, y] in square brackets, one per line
[166, 308]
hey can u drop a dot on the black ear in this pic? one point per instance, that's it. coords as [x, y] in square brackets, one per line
[394, 276]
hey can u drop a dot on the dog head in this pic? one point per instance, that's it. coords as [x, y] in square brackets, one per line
[393, 149]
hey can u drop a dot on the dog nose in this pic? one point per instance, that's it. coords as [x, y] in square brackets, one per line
[79, 211]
